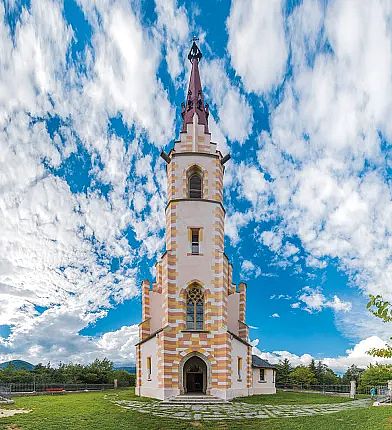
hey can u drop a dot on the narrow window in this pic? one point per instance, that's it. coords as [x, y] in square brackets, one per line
[149, 368]
[195, 186]
[195, 241]
[239, 368]
[262, 375]
[273, 376]
[195, 309]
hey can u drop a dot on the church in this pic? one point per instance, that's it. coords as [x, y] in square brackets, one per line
[193, 334]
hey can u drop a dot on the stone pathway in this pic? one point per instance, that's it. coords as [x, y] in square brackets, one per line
[236, 410]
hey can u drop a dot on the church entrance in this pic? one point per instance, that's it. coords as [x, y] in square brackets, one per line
[195, 375]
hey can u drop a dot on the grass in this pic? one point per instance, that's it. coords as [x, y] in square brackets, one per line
[92, 411]
[292, 398]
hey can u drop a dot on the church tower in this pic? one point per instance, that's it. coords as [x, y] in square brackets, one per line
[193, 336]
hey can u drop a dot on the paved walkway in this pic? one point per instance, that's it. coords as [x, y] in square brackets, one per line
[236, 410]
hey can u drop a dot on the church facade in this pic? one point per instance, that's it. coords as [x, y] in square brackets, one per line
[193, 334]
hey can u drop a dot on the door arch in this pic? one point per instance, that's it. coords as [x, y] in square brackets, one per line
[194, 374]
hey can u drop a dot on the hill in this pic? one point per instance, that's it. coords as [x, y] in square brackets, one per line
[18, 364]
[129, 369]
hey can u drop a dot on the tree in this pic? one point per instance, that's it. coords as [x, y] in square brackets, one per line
[378, 374]
[124, 378]
[283, 369]
[353, 373]
[303, 375]
[383, 310]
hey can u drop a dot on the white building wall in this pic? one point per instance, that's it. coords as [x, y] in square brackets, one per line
[149, 387]
[233, 312]
[263, 387]
[238, 387]
[156, 311]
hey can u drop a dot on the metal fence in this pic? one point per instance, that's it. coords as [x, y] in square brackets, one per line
[341, 389]
[380, 390]
[31, 387]
[5, 392]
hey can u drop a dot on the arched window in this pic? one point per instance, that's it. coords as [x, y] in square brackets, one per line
[195, 186]
[195, 308]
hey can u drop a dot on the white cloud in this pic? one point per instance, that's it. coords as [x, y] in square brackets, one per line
[338, 305]
[57, 245]
[325, 154]
[172, 23]
[280, 297]
[275, 315]
[356, 355]
[313, 300]
[122, 74]
[234, 112]
[233, 223]
[257, 44]
[325, 132]
[249, 270]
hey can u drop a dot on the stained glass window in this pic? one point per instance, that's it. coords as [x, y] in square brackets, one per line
[195, 309]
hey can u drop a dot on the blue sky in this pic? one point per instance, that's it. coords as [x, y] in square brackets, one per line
[90, 95]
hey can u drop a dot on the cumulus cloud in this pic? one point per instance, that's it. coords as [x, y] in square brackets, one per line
[65, 254]
[356, 355]
[313, 300]
[249, 270]
[325, 157]
[234, 112]
[256, 44]
[173, 26]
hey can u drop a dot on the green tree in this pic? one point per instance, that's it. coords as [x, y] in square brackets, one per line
[124, 378]
[378, 374]
[353, 373]
[283, 369]
[303, 375]
[312, 367]
[383, 310]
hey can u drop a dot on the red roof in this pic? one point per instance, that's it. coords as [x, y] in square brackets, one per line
[195, 99]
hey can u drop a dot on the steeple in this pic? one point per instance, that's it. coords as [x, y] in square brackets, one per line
[194, 99]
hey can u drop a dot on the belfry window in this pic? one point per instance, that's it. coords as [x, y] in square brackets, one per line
[195, 186]
[195, 240]
[195, 308]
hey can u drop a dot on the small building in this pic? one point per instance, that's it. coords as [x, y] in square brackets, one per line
[193, 334]
[263, 376]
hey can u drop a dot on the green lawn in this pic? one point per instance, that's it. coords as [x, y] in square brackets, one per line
[290, 397]
[92, 411]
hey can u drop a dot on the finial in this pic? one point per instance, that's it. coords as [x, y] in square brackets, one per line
[195, 52]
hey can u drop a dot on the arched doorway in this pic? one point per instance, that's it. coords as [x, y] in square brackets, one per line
[195, 375]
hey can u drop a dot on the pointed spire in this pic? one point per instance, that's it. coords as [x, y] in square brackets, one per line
[195, 99]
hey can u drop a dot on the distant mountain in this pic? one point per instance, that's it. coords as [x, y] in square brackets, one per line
[18, 364]
[129, 369]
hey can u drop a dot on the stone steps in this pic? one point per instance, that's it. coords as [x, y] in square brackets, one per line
[193, 399]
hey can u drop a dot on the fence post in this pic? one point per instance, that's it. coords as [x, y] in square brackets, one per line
[115, 383]
[352, 389]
